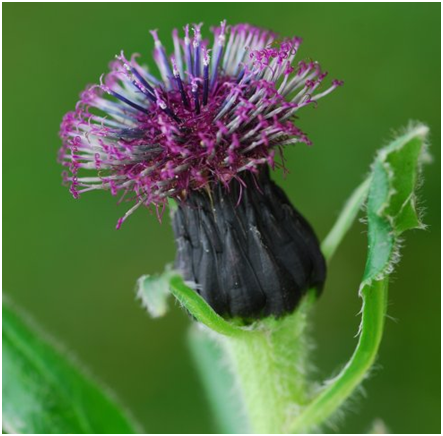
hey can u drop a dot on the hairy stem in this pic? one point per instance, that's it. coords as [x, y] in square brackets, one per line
[271, 370]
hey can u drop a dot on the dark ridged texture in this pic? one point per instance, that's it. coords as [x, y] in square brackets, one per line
[252, 257]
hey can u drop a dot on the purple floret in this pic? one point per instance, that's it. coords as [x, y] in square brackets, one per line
[215, 112]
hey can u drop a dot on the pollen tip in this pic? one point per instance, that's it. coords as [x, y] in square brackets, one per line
[119, 223]
[154, 34]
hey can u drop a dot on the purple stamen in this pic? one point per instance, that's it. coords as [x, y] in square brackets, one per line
[218, 53]
[196, 69]
[144, 91]
[125, 100]
[168, 111]
[179, 82]
[142, 80]
[194, 89]
[162, 63]
[241, 75]
[177, 51]
[215, 66]
[132, 71]
[196, 44]
[188, 52]
[205, 77]
[152, 79]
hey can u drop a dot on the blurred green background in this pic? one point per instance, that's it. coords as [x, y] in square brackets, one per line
[65, 263]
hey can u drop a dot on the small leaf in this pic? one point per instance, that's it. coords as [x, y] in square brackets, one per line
[391, 206]
[44, 392]
[153, 291]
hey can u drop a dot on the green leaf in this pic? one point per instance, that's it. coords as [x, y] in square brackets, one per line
[45, 393]
[391, 209]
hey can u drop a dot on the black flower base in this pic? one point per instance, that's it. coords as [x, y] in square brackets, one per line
[248, 252]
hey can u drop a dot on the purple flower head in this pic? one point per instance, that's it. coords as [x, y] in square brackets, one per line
[216, 111]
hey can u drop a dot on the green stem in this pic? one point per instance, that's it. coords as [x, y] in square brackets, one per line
[271, 370]
[336, 392]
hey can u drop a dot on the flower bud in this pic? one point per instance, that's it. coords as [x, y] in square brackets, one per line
[245, 249]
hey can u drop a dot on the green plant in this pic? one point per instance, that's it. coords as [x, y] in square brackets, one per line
[263, 383]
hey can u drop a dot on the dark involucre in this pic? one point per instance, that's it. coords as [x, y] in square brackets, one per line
[250, 258]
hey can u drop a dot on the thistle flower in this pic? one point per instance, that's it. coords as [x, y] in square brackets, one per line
[204, 133]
